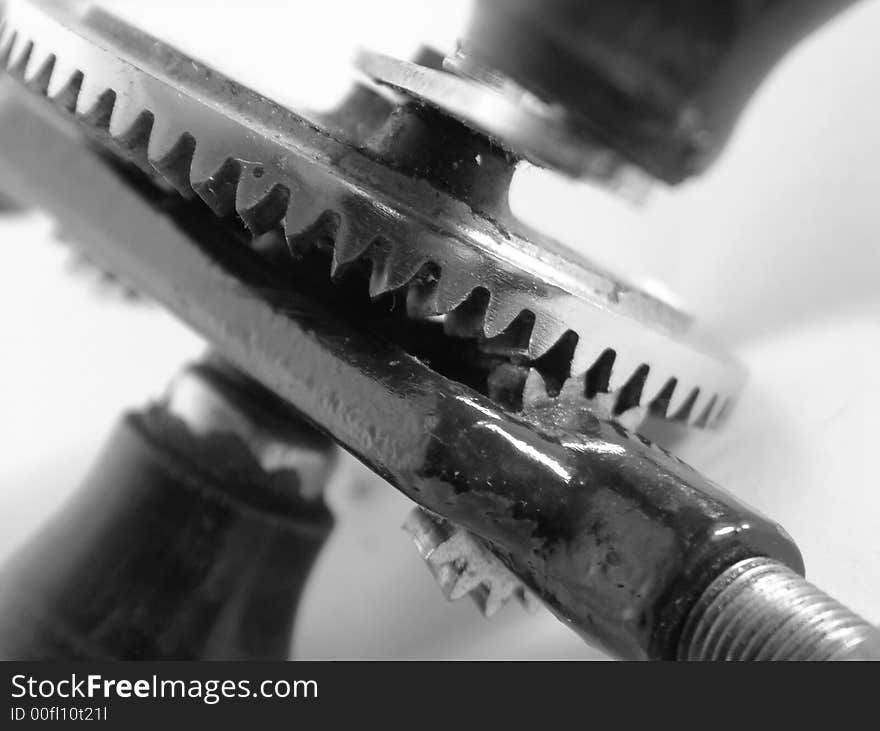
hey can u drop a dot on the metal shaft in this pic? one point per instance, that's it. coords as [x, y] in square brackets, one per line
[760, 609]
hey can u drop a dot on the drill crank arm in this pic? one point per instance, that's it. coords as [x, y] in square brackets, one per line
[618, 538]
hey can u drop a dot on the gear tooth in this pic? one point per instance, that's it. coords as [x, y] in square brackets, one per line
[683, 412]
[321, 227]
[6, 40]
[572, 389]
[68, 92]
[633, 418]
[535, 389]
[546, 333]
[260, 199]
[466, 582]
[500, 314]
[126, 114]
[255, 184]
[172, 162]
[133, 142]
[468, 318]
[660, 404]
[98, 115]
[352, 239]
[39, 76]
[378, 256]
[91, 93]
[304, 212]
[36, 67]
[427, 530]
[269, 212]
[453, 290]
[678, 400]
[530, 602]
[654, 384]
[65, 79]
[442, 294]
[37, 62]
[165, 137]
[603, 405]
[629, 395]
[706, 413]
[394, 266]
[597, 379]
[209, 160]
[555, 364]
[451, 550]
[218, 188]
[359, 229]
[498, 594]
[722, 414]
[19, 55]
[626, 365]
[12, 50]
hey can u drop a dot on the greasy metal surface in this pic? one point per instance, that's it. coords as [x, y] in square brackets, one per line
[242, 153]
[658, 83]
[617, 537]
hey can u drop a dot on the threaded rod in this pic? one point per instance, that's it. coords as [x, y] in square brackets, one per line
[759, 609]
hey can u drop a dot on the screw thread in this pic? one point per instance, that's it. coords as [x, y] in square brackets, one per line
[759, 609]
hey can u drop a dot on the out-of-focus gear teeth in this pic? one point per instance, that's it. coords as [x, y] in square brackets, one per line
[65, 77]
[707, 413]
[721, 413]
[451, 263]
[687, 407]
[90, 93]
[463, 566]
[39, 74]
[18, 55]
[662, 402]
[630, 394]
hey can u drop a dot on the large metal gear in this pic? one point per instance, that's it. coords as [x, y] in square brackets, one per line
[455, 250]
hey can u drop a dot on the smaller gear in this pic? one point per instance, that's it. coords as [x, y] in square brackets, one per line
[463, 566]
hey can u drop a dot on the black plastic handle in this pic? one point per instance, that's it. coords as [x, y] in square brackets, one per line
[177, 547]
[662, 82]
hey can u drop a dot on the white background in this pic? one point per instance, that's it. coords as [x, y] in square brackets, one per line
[776, 249]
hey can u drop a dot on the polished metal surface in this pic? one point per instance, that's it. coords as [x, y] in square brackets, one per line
[240, 152]
[760, 609]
